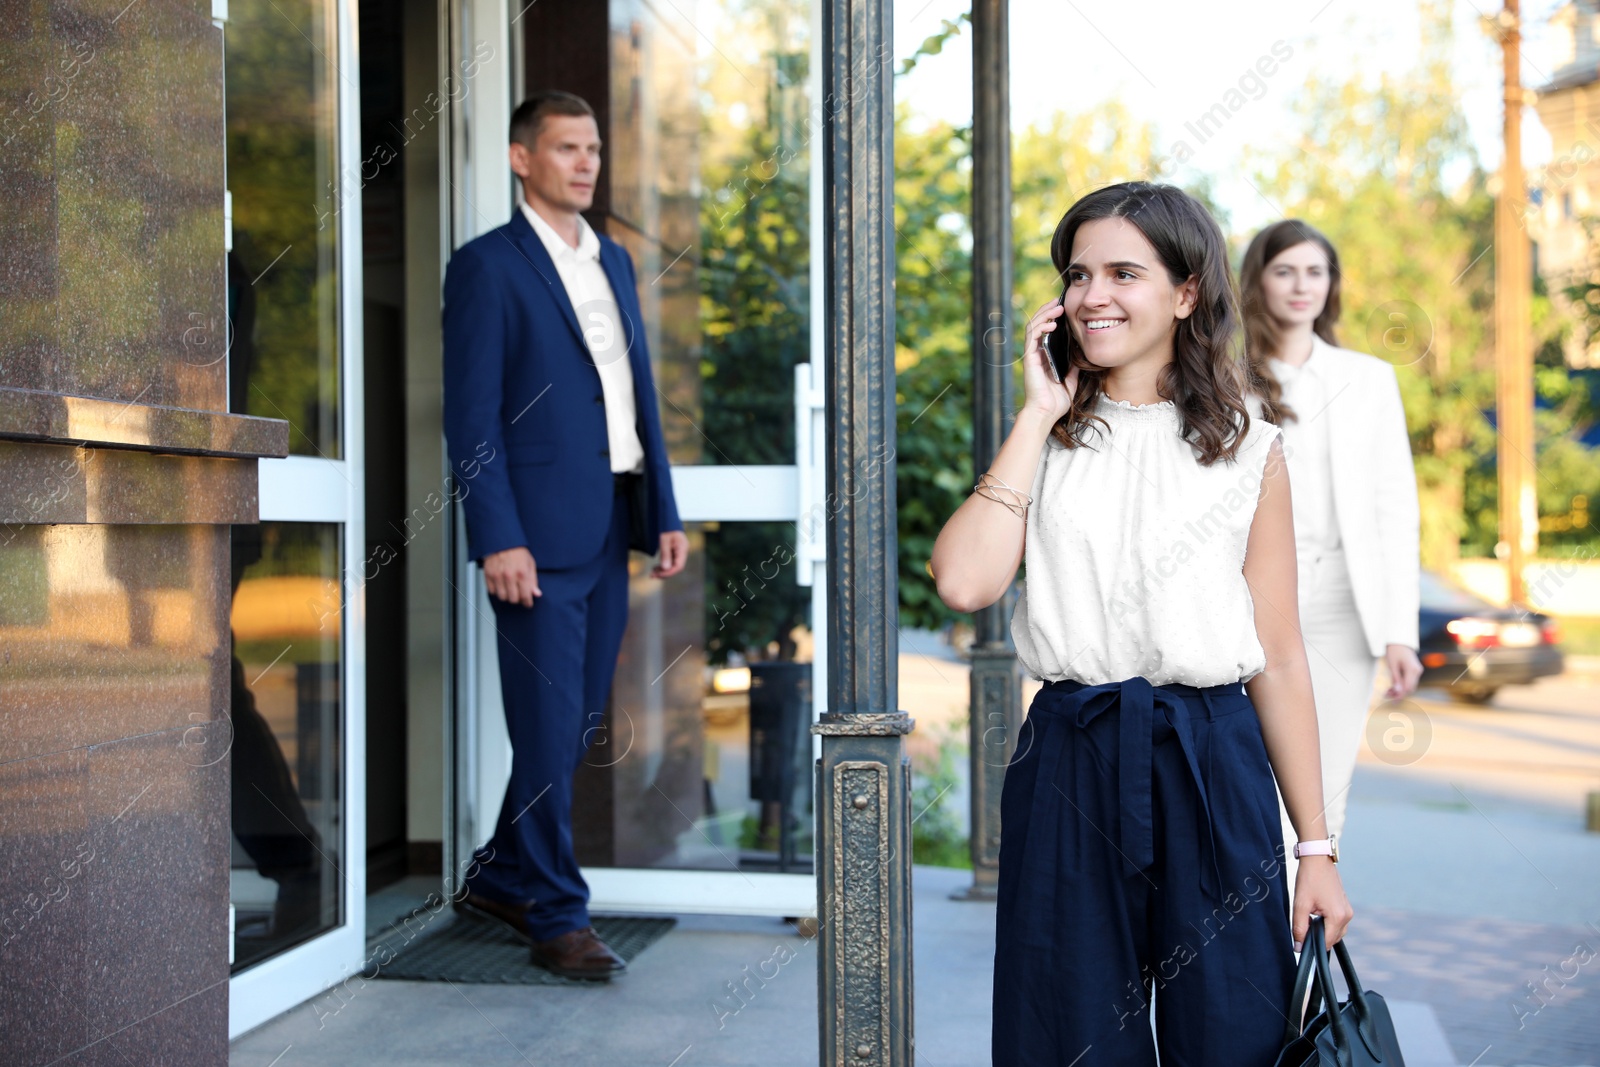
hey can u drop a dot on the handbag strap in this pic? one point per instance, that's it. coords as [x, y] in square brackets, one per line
[1314, 956]
[1358, 997]
[1330, 995]
[1298, 1008]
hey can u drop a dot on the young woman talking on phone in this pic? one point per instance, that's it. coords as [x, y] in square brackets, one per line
[1141, 855]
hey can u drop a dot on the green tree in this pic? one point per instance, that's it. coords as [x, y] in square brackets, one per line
[1374, 170]
[933, 351]
[755, 298]
[1369, 170]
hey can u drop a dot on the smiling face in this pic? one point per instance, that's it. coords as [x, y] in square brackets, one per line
[1121, 304]
[1294, 284]
[561, 169]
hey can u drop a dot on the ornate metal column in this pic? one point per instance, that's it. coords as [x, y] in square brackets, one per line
[863, 778]
[996, 707]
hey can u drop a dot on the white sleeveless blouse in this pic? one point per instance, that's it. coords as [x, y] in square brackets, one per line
[1134, 555]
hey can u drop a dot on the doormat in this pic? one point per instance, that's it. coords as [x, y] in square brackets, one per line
[473, 952]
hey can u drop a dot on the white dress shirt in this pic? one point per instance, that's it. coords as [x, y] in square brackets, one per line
[1307, 449]
[596, 307]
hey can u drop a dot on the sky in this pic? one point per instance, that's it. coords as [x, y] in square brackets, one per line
[1170, 61]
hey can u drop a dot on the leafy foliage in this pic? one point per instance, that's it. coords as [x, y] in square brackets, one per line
[1385, 167]
[933, 361]
[754, 313]
[936, 837]
[1373, 170]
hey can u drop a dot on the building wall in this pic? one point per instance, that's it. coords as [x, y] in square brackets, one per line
[1566, 192]
[120, 472]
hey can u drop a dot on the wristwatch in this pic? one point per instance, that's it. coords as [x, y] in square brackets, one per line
[1328, 847]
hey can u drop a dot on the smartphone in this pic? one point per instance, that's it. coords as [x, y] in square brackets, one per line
[1055, 346]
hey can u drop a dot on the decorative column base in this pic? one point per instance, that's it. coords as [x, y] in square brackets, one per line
[864, 890]
[995, 717]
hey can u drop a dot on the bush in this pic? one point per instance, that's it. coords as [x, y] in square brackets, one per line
[936, 837]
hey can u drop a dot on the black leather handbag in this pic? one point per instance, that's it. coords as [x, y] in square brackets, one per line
[1326, 1033]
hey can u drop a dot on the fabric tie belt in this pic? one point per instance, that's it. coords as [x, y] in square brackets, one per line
[1139, 731]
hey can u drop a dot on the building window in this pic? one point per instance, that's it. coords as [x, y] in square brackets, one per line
[711, 195]
[287, 199]
[710, 709]
[288, 813]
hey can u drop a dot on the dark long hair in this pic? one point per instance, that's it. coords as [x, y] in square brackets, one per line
[1204, 380]
[1261, 333]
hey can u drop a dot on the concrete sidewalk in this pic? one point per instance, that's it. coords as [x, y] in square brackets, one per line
[1476, 889]
[676, 1007]
[1484, 909]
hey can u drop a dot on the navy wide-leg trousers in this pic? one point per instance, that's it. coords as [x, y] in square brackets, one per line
[1141, 860]
[557, 662]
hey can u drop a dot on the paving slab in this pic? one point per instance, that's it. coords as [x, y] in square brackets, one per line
[1476, 886]
[716, 991]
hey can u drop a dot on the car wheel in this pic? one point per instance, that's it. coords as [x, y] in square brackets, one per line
[1473, 694]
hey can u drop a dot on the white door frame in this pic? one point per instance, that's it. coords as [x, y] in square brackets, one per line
[311, 489]
[481, 198]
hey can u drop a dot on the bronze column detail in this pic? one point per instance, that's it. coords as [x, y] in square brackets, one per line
[863, 778]
[996, 683]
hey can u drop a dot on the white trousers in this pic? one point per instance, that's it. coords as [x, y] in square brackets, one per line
[1343, 670]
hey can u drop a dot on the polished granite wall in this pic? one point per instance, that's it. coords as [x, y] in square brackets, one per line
[111, 284]
[114, 794]
[120, 471]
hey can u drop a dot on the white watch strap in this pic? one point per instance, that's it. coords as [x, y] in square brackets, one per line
[1314, 848]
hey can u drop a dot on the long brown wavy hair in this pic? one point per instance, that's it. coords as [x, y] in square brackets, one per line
[1261, 333]
[1204, 381]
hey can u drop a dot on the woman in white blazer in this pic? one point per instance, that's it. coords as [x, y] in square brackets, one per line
[1353, 486]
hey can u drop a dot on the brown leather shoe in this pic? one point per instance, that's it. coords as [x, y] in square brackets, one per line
[511, 917]
[578, 954]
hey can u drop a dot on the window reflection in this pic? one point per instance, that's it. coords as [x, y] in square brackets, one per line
[704, 760]
[712, 193]
[287, 801]
[287, 204]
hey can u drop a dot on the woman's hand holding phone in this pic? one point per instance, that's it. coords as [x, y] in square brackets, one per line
[1046, 393]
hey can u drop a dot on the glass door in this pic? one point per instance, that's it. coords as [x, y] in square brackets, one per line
[695, 794]
[298, 662]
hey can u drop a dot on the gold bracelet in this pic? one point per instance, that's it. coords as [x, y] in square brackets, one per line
[1019, 505]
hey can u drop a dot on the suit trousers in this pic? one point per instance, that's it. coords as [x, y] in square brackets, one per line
[1139, 858]
[1343, 670]
[557, 662]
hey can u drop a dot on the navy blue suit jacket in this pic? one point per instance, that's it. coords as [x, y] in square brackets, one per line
[524, 416]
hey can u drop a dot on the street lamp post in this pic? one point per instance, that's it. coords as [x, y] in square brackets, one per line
[863, 778]
[996, 683]
[1519, 509]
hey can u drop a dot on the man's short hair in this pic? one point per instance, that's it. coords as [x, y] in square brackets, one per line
[528, 119]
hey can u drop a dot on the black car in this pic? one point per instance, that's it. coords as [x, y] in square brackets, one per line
[1472, 648]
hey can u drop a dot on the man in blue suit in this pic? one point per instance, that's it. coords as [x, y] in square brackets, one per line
[552, 425]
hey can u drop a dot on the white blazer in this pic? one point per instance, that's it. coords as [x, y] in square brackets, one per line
[1374, 491]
